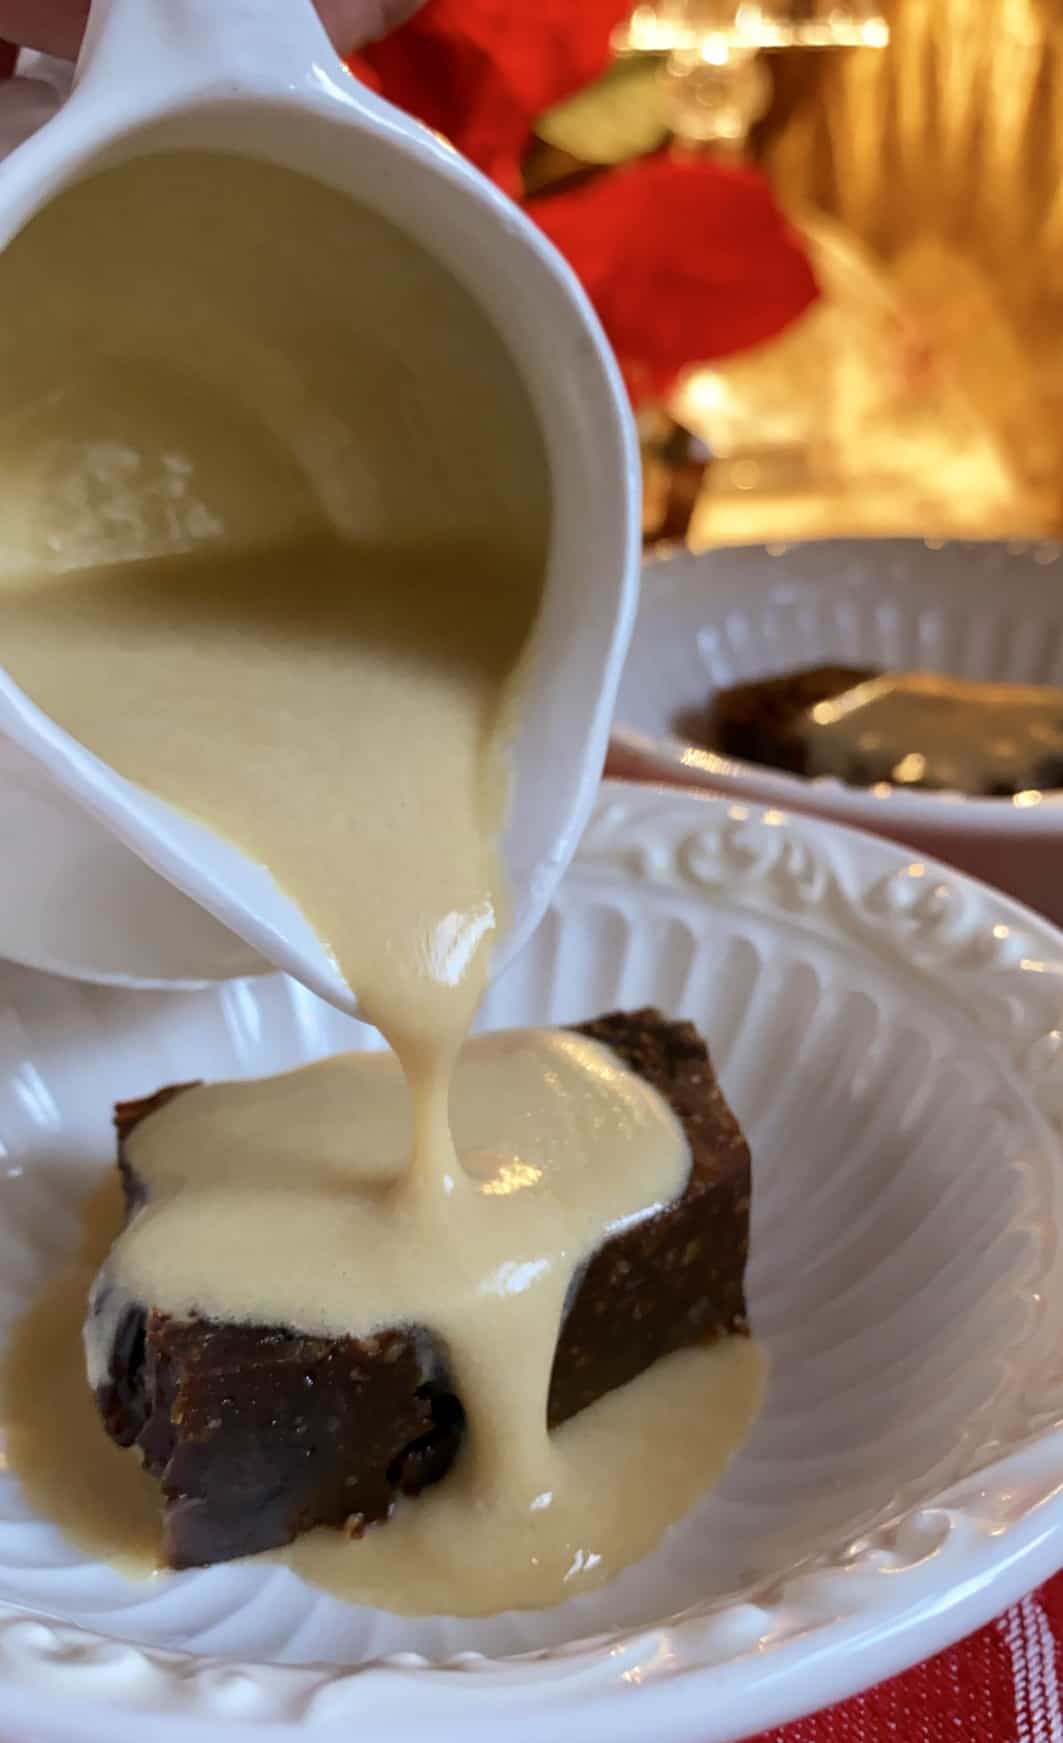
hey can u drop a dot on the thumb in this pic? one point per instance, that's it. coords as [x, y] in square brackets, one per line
[351, 23]
[54, 26]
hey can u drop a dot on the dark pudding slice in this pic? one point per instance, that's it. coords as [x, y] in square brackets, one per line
[257, 1433]
[910, 729]
[766, 720]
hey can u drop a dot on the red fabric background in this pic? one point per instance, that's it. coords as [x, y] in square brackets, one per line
[685, 261]
[1001, 1685]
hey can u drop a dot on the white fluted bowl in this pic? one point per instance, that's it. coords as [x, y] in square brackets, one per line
[985, 610]
[890, 1036]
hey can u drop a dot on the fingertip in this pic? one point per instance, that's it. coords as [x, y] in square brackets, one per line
[52, 26]
[352, 23]
[396, 12]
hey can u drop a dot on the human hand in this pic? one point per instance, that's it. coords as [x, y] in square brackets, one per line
[57, 26]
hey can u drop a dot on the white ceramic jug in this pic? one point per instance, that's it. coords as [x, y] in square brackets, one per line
[99, 879]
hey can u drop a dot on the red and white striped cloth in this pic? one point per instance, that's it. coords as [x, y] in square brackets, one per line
[1000, 1686]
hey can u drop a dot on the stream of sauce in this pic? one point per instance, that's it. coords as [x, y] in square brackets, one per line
[337, 697]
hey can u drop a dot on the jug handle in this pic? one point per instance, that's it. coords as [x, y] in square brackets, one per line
[171, 50]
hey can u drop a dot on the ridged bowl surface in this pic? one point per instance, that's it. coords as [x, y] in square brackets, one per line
[891, 1037]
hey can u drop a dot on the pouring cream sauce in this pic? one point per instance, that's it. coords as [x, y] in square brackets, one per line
[272, 546]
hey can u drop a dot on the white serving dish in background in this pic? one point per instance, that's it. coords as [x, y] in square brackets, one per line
[888, 1033]
[987, 610]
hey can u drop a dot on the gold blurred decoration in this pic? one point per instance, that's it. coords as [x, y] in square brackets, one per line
[662, 26]
[925, 393]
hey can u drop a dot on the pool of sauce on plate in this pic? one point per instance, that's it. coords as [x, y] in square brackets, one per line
[339, 701]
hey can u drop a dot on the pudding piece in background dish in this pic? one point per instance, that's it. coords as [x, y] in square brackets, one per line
[259, 1432]
[763, 721]
[910, 729]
